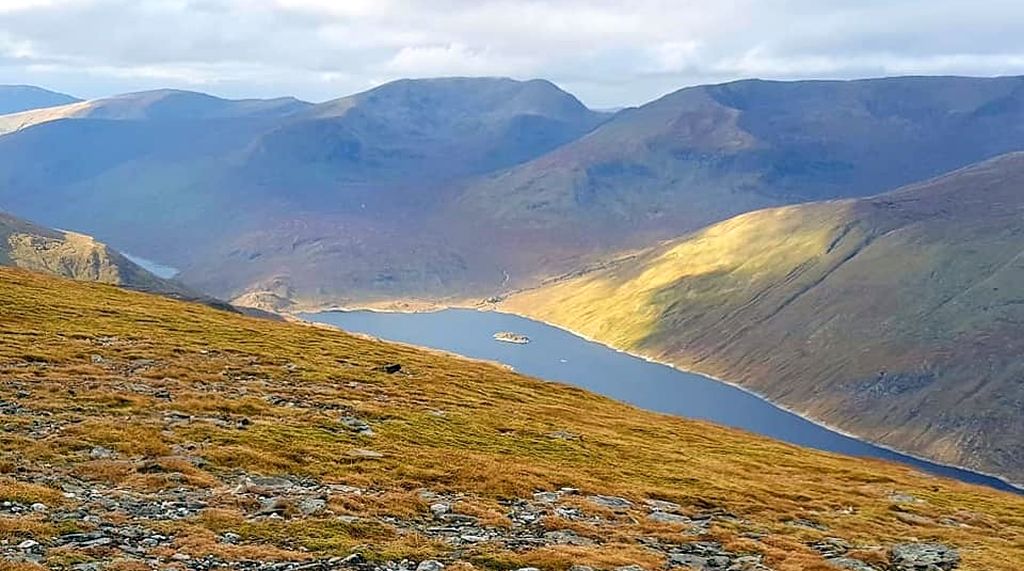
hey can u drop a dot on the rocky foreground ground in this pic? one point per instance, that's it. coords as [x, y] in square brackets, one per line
[143, 433]
[116, 526]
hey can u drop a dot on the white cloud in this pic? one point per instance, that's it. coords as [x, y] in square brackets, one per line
[607, 51]
[16, 5]
[453, 59]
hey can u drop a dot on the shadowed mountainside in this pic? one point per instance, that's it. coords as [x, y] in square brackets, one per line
[467, 187]
[899, 318]
[338, 188]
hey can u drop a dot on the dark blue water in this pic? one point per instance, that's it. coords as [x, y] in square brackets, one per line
[561, 356]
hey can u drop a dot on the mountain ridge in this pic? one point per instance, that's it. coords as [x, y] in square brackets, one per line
[458, 188]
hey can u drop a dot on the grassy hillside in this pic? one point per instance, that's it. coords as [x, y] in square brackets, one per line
[164, 433]
[899, 318]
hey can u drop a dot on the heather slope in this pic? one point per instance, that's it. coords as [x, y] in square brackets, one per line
[898, 318]
[152, 430]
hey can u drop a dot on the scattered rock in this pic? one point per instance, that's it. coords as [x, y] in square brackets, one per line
[923, 557]
[430, 565]
[668, 518]
[611, 502]
[390, 368]
[547, 497]
[440, 509]
[851, 564]
[831, 547]
[101, 453]
[357, 425]
[662, 506]
[311, 506]
[28, 545]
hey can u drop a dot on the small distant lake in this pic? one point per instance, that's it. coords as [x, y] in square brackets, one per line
[558, 355]
[155, 268]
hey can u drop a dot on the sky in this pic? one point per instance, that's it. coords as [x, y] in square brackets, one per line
[609, 53]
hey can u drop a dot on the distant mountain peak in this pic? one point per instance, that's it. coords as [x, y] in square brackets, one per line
[18, 98]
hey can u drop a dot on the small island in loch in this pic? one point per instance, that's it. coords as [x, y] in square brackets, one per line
[510, 337]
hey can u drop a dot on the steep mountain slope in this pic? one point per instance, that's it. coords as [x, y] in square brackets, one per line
[702, 154]
[17, 98]
[70, 255]
[158, 434]
[899, 318]
[80, 257]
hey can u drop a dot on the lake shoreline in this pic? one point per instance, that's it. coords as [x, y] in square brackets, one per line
[436, 308]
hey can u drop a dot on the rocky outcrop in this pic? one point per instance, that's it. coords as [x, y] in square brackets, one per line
[80, 257]
[924, 557]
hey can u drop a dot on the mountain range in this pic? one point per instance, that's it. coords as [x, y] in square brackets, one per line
[465, 187]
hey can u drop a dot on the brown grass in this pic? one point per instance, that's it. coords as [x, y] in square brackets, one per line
[492, 443]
